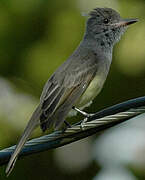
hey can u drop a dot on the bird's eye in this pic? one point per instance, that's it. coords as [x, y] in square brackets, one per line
[106, 21]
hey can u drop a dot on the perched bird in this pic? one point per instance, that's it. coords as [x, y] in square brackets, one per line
[79, 79]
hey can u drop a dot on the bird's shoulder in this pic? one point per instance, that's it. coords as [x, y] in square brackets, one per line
[72, 72]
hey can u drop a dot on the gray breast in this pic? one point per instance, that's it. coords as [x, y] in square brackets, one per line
[96, 84]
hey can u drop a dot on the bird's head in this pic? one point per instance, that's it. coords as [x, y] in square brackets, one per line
[107, 24]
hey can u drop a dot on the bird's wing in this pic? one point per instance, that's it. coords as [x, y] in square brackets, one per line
[60, 97]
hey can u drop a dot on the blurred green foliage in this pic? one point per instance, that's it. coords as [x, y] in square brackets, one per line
[36, 36]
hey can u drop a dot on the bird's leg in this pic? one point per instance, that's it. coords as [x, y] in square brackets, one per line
[87, 115]
[67, 125]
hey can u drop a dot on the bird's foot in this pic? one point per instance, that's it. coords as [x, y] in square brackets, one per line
[82, 125]
[87, 116]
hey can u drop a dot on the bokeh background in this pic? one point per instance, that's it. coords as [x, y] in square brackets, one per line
[36, 36]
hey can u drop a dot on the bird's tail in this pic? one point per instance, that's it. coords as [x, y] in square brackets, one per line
[27, 132]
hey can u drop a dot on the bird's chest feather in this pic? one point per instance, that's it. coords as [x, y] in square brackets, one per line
[92, 91]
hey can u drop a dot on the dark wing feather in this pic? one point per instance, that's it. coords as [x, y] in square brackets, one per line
[51, 99]
[67, 98]
[52, 105]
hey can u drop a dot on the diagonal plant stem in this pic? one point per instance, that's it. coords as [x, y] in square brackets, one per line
[102, 120]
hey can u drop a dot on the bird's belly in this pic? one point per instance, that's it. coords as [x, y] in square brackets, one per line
[91, 92]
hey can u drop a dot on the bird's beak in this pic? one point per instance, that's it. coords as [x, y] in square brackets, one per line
[125, 22]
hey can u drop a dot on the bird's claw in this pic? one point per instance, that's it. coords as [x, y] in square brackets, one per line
[82, 125]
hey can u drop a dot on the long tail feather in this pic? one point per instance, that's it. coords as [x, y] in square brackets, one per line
[27, 132]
